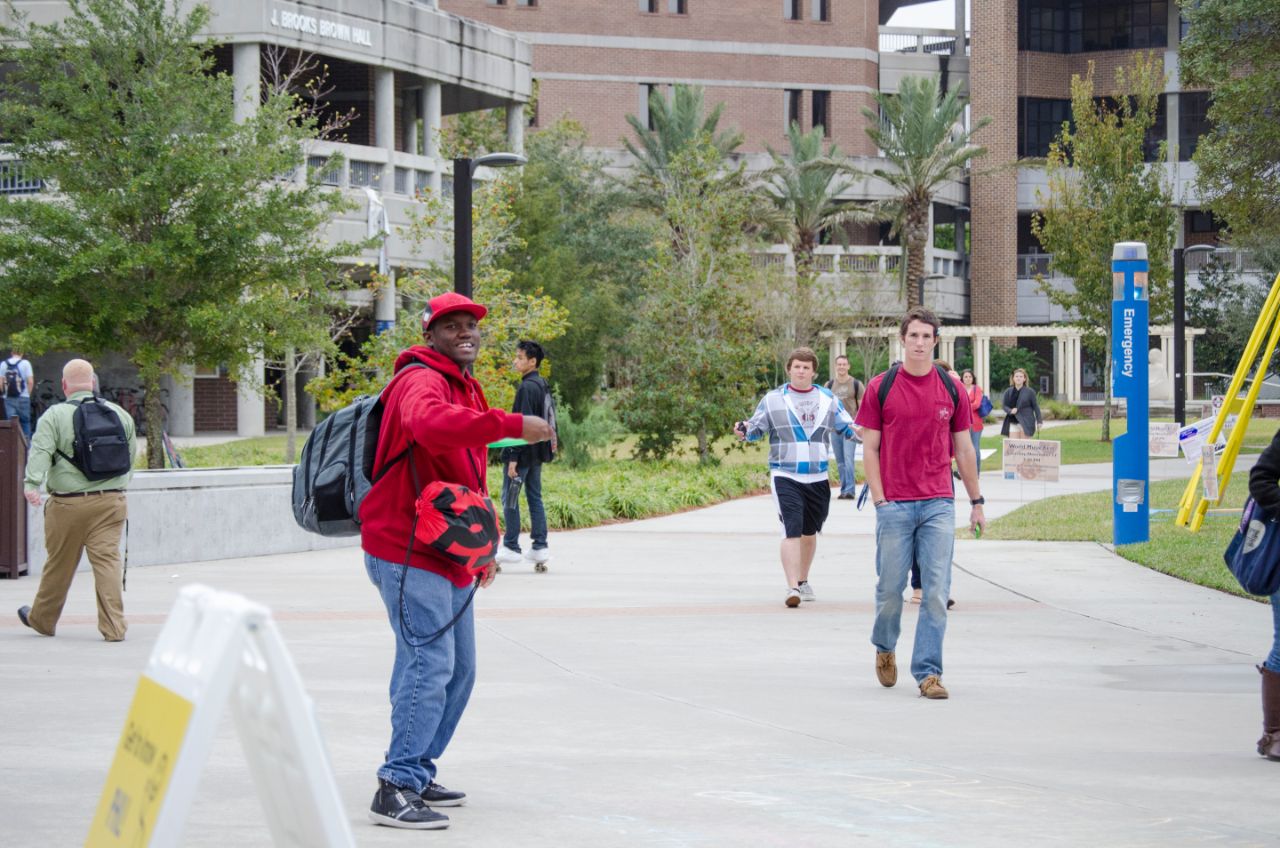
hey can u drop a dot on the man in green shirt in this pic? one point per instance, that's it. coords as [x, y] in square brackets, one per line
[81, 513]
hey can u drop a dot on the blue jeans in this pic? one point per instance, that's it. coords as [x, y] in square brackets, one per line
[976, 435]
[430, 685]
[20, 408]
[923, 531]
[1273, 661]
[844, 450]
[532, 477]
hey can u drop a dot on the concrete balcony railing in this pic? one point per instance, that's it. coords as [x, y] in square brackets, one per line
[934, 42]
[866, 279]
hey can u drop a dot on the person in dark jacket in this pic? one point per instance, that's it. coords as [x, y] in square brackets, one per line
[523, 464]
[438, 419]
[1021, 406]
[1264, 488]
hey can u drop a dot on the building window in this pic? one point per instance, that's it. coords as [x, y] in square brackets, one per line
[1193, 122]
[647, 91]
[791, 9]
[822, 112]
[1040, 120]
[678, 7]
[1079, 26]
[497, 2]
[793, 99]
[1202, 222]
[1157, 132]
[820, 10]
[528, 3]
[649, 7]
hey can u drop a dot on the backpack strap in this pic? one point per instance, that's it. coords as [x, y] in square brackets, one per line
[892, 374]
[57, 454]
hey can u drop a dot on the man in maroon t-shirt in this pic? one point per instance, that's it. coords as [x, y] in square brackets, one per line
[907, 447]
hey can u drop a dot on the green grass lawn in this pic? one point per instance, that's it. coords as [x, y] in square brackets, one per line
[1081, 440]
[1195, 557]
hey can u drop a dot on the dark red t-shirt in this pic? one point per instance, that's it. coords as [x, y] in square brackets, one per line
[915, 434]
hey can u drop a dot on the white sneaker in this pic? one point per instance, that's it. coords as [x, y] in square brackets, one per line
[793, 598]
[806, 591]
[505, 554]
[539, 557]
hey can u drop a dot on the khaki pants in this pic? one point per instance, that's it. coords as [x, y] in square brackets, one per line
[71, 525]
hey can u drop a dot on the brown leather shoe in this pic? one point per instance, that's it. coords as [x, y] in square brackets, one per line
[886, 668]
[931, 687]
[1269, 744]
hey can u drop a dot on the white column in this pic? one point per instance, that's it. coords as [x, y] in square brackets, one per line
[1059, 370]
[181, 402]
[247, 79]
[982, 363]
[249, 407]
[384, 110]
[430, 106]
[947, 349]
[429, 109]
[1166, 351]
[895, 348]
[384, 310]
[515, 128]
[1077, 371]
[412, 112]
[1191, 368]
[246, 76]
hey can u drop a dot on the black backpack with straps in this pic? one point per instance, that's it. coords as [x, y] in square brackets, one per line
[892, 374]
[101, 447]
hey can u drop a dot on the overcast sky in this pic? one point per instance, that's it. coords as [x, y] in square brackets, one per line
[940, 14]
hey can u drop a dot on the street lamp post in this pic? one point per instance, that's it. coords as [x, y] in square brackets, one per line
[925, 279]
[464, 169]
[1180, 328]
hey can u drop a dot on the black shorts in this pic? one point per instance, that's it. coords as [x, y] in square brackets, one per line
[802, 507]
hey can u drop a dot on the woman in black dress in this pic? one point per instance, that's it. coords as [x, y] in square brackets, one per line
[1021, 406]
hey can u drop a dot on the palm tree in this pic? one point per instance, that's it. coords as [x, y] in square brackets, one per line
[675, 125]
[805, 189]
[920, 131]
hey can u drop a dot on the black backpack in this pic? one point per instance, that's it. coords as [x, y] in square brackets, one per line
[335, 471]
[101, 447]
[892, 374]
[547, 449]
[13, 382]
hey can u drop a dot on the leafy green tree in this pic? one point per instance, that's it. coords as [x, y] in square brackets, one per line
[581, 245]
[696, 358]
[165, 223]
[920, 131]
[1101, 192]
[512, 314]
[805, 187]
[1233, 48]
[1227, 305]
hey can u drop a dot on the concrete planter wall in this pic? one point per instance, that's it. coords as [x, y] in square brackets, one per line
[189, 515]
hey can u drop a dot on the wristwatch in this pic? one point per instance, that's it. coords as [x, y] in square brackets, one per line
[978, 501]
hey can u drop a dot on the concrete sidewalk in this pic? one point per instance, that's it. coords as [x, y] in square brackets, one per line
[652, 690]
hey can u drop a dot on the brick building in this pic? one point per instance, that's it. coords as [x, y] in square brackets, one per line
[821, 61]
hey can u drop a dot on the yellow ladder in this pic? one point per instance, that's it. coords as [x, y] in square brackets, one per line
[1193, 506]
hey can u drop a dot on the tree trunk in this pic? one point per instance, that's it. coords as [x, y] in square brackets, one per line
[154, 415]
[1106, 394]
[704, 448]
[802, 308]
[916, 236]
[290, 401]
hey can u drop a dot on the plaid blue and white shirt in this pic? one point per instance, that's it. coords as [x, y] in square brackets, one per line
[796, 446]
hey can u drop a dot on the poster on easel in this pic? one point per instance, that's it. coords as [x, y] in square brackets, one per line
[1032, 460]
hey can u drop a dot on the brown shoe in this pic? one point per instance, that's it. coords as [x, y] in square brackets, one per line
[931, 687]
[886, 668]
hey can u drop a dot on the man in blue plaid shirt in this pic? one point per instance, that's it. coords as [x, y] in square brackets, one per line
[799, 419]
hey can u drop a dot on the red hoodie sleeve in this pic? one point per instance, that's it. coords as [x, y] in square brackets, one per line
[437, 422]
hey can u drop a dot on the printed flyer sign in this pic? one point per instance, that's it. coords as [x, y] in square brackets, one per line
[1209, 472]
[1162, 438]
[1193, 437]
[1032, 460]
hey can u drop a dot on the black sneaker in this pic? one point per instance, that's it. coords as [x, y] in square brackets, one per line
[437, 796]
[396, 806]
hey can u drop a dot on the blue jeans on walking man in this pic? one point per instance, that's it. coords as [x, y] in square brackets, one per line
[923, 532]
[430, 683]
[531, 480]
[20, 408]
[844, 452]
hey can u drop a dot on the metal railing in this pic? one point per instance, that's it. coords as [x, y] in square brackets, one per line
[932, 42]
[13, 179]
[365, 174]
[1033, 265]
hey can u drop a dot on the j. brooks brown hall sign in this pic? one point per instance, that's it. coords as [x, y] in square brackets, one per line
[329, 28]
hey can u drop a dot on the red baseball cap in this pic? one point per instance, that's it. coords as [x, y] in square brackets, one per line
[443, 304]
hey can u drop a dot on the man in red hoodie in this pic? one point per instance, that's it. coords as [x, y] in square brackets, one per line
[439, 415]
